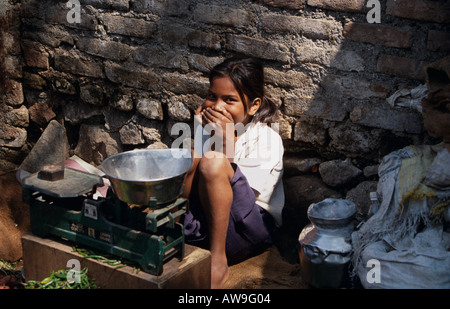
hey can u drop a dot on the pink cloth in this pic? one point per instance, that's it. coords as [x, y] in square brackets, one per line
[76, 166]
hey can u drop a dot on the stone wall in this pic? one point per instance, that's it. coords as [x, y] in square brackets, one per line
[121, 77]
[14, 118]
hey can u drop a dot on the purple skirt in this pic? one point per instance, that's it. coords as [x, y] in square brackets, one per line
[250, 227]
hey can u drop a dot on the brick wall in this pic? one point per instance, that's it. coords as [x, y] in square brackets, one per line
[131, 69]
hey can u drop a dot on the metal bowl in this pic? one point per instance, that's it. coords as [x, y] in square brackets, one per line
[139, 176]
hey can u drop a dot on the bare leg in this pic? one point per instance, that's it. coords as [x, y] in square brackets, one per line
[191, 174]
[216, 197]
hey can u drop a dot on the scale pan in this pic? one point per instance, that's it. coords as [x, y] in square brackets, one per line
[139, 176]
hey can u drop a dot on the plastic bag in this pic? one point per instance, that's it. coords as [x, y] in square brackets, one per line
[405, 238]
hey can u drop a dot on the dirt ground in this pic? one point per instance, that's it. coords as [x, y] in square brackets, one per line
[14, 217]
[265, 271]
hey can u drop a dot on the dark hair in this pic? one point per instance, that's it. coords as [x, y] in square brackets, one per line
[247, 76]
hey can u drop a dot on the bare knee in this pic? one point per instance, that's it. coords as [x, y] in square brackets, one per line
[214, 164]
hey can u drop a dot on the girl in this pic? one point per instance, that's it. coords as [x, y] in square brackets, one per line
[234, 186]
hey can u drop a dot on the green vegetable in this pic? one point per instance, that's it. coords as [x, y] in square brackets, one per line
[58, 280]
[107, 259]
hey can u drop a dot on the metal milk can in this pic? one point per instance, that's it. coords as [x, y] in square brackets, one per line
[325, 249]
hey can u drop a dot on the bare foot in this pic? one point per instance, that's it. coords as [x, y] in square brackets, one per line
[219, 270]
[219, 275]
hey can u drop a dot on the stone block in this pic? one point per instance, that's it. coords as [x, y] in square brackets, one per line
[35, 81]
[435, 11]
[162, 8]
[438, 40]
[341, 87]
[115, 119]
[12, 66]
[306, 53]
[354, 139]
[11, 44]
[96, 144]
[300, 192]
[360, 195]
[338, 172]
[223, 15]
[51, 35]
[402, 66]
[41, 113]
[149, 108]
[73, 63]
[178, 111]
[202, 39]
[203, 63]
[129, 26]
[17, 117]
[395, 119]
[310, 28]
[132, 76]
[12, 137]
[378, 34]
[288, 4]
[156, 57]
[287, 79]
[62, 85]
[355, 6]
[122, 101]
[256, 47]
[78, 112]
[92, 94]
[51, 148]
[348, 60]
[330, 56]
[284, 128]
[114, 4]
[185, 84]
[131, 135]
[174, 34]
[12, 92]
[151, 130]
[105, 49]
[311, 130]
[330, 109]
[295, 164]
[34, 55]
[371, 170]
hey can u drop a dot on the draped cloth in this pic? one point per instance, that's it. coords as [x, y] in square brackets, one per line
[406, 233]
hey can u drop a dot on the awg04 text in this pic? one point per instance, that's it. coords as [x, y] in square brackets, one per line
[245, 298]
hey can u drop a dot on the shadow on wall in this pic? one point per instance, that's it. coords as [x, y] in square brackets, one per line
[359, 100]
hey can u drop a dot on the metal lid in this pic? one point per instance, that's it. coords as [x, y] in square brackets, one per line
[331, 212]
[75, 183]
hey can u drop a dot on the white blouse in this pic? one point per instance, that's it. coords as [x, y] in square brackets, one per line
[258, 152]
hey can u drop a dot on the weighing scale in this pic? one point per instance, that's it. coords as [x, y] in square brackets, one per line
[63, 204]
